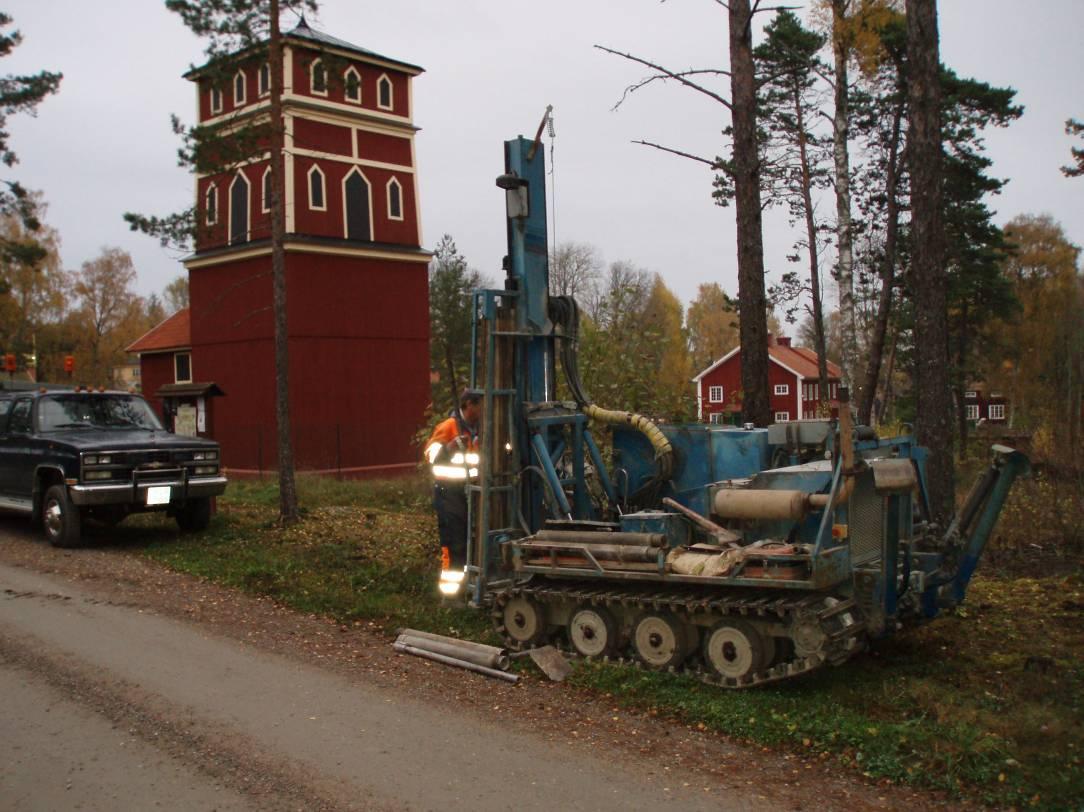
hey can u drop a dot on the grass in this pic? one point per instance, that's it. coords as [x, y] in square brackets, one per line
[985, 703]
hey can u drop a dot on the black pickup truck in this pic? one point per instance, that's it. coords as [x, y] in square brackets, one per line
[66, 456]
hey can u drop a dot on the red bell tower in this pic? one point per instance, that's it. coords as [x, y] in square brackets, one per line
[357, 289]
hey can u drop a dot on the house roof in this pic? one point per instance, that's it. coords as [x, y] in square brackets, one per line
[303, 32]
[174, 333]
[799, 360]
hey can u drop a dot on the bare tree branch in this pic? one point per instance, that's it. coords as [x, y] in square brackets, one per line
[713, 164]
[666, 74]
[648, 80]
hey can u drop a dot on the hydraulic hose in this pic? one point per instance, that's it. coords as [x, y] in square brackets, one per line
[664, 452]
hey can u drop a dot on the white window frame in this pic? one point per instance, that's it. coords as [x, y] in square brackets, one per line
[264, 88]
[781, 417]
[971, 393]
[208, 196]
[356, 170]
[216, 95]
[323, 186]
[391, 92]
[317, 64]
[265, 188]
[997, 411]
[971, 411]
[716, 417]
[239, 100]
[351, 71]
[394, 181]
[996, 395]
[781, 389]
[712, 390]
[176, 376]
[240, 175]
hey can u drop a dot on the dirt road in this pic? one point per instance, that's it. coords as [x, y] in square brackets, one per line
[128, 686]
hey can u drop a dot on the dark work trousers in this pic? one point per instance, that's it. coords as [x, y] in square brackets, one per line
[450, 503]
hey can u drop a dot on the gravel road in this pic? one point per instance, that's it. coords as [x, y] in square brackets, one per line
[128, 686]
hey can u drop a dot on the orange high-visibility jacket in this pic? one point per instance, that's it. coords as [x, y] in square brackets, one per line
[447, 449]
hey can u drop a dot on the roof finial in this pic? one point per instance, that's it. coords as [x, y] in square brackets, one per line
[303, 23]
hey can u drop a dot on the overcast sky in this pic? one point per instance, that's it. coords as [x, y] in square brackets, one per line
[103, 145]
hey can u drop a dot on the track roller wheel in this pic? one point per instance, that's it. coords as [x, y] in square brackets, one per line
[661, 641]
[524, 621]
[734, 649]
[593, 632]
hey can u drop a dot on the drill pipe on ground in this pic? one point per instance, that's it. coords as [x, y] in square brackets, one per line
[466, 650]
[600, 537]
[440, 658]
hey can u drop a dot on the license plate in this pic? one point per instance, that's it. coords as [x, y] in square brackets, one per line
[159, 495]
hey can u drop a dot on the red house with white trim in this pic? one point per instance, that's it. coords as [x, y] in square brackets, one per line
[356, 274]
[792, 377]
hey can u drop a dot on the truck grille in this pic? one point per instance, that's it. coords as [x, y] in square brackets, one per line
[866, 511]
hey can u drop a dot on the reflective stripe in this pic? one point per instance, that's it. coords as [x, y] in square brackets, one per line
[432, 452]
[450, 472]
[457, 459]
[456, 576]
[473, 458]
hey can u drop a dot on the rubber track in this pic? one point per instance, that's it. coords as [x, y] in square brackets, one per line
[843, 640]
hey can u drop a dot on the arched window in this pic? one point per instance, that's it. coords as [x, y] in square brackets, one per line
[216, 100]
[318, 78]
[317, 195]
[383, 93]
[265, 79]
[210, 204]
[352, 85]
[357, 208]
[239, 89]
[266, 191]
[395, 200]
[240, 192]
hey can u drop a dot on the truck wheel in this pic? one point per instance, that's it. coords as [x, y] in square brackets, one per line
[195, 515]
[734, 649]
[60, 518]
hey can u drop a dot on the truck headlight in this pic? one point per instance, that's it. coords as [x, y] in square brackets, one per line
[205, 455]
[93, 475]
[205, 470]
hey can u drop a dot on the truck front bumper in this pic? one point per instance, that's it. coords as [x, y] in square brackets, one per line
[135, 494]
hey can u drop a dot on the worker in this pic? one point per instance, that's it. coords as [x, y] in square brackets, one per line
[452, 452]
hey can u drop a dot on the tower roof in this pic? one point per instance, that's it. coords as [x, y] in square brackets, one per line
[175, 333]
[307, 35]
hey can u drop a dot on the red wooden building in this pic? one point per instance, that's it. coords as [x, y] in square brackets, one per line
[792, 378]
[357, 314]
[984, 404]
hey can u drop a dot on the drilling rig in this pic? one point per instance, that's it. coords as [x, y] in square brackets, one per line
[741, 555]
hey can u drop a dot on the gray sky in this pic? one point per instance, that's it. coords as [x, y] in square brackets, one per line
[103, 145]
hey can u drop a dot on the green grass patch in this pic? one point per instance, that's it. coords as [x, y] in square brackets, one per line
[984, 704]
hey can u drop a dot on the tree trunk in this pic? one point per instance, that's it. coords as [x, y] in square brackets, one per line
[752, 302]
[890, 368]
[287, 486]
[888, 275]
[933, 423]
[814, 262]
[844, 230]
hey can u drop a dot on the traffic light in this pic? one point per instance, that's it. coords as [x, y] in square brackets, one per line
[69, 364]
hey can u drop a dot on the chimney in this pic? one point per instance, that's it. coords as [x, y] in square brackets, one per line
[771, 340]
[783, 341]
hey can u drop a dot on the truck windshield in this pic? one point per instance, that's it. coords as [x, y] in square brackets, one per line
[63, 412]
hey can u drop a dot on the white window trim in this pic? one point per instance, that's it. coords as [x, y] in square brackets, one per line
[240, 100]
[346, 84]
[391, 92]
[323, 185]
[248, 207]
[971, 393]
[395, 181]
[312, 78]
[212, 192]
[782, 417]
[997, 411]
[216, 93]
[781, 389]
[176, 377]
[266, 90]
[711, 394]
[972, 411]
[369, 185]
[265, 199]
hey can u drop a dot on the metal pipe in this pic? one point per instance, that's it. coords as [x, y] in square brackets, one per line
[600, 467]
[610, 552]
[542, 453]
[440, 658]
[477, 653]
[740, 503]
[718, 532]
[602, 537]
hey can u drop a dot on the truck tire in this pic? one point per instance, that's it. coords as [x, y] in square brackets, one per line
[60, 518]
[195, 515]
